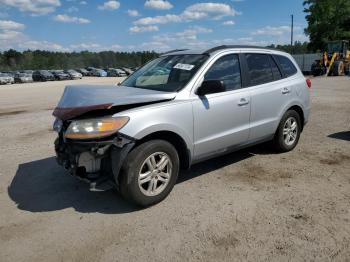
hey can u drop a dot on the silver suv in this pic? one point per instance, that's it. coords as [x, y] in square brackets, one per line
[179, 109]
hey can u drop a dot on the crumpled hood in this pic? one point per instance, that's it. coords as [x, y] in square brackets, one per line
[80, 99]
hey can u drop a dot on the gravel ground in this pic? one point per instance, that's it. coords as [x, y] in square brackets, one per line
[251, 205]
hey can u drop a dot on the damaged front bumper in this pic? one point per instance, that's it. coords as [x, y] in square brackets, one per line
[96, 162]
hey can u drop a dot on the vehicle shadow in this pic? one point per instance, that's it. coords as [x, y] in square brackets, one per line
[43, 186]
[345, 135]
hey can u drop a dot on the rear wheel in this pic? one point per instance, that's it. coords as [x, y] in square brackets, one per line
[338, 68]
[288, 132]
[149, 172]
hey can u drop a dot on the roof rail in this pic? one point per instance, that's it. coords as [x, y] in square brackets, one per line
[221, 47]
[175, 50]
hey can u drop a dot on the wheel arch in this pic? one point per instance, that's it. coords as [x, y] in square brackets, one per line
[176, 140]
[300, 112]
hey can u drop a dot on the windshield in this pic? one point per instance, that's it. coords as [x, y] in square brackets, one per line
[167, 73]
[334, 47]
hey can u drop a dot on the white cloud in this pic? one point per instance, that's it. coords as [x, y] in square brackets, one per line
[153, 46]
[72, 9]
[109, 5]
[162, 19]
[229, 22]
[18, 40]
[186, 39]
[272, 30]
[301, 37]
[192, 12]
[240, 41]
[191, 32]
[94, 47]
[279, 34]
[9, 35]
[10, 25]
[42, 45]
[133, 12]
[212, 10]
[71, 19]
[82, 2]
[85, 46]
[141, 29]
[34, 7]
[158, 4]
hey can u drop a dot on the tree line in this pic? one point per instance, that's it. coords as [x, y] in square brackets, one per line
[15, 60]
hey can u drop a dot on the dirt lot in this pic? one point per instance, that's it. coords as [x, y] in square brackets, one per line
[250, 205]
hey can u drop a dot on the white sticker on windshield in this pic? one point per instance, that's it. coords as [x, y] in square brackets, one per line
[187, 67]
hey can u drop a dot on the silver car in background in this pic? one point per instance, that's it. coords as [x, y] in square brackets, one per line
[179, 109]
[6, 78]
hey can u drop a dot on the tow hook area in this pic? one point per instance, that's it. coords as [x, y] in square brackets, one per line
[96, 162]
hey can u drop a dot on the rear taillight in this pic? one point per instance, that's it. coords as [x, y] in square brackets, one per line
[308, 82]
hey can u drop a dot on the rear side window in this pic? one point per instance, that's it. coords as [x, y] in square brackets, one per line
[226, 69]
[275, 71]
[259, 69]
[287, 66]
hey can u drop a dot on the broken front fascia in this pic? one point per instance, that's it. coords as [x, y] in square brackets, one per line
[91, 160]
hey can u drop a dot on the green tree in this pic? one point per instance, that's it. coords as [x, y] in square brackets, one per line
[327, 20]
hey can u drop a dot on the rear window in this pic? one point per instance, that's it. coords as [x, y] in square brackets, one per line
[287, 66]
[259, 69]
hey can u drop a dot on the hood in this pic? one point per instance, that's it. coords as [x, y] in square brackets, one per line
[80, 99]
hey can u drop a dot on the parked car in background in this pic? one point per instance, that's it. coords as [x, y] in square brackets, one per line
[179, 109]
[127, 70]
[23, 78]
[90, 70]
[27, 71]
[83, 71]
[73, 74]
[60, 75]
[6, 78]
[98, 72]
[43, 75]
[115, 72]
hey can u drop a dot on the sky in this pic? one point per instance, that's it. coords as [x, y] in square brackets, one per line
[146, 25]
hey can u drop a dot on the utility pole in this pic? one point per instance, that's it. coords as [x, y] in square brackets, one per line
[291, 31]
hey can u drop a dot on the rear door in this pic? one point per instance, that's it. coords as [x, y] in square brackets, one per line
[270, 93]
[221, 120]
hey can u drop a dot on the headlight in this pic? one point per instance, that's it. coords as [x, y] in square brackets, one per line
[95, 128]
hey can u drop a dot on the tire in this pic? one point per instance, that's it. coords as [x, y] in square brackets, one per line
[338, 68]
[316, 69]
[347, 69]
[281, 138]
[137, 191]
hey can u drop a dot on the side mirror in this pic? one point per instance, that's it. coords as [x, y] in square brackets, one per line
[211, 87]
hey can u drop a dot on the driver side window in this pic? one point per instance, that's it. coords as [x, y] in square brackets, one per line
[227, 70]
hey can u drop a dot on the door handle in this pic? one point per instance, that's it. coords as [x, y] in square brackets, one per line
[243, 101]
[285, 90]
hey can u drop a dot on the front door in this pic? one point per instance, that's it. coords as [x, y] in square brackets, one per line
[221, 120]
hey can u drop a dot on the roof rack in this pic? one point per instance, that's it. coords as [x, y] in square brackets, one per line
[175, 50]
[221, 47]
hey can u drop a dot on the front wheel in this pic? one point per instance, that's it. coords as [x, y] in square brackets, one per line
[150, 172]
[288, 132]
